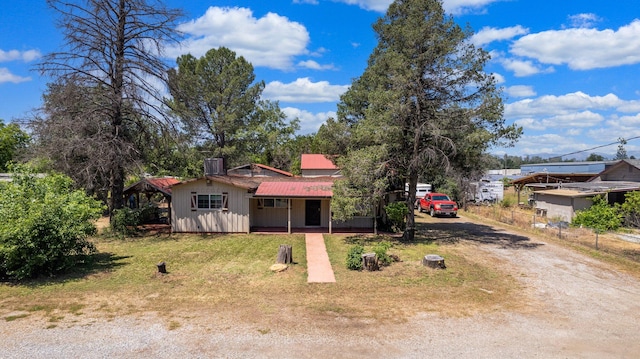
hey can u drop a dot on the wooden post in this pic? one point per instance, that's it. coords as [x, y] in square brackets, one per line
[370, 262]
[433, 261]
[285, 255]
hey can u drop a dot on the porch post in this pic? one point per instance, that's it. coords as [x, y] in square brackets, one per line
[375, 217]
[330, 219]
[289, 215]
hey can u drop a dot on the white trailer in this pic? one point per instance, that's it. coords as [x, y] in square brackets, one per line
[487, 191]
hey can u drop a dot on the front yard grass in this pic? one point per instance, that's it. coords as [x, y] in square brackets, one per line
[229, 274]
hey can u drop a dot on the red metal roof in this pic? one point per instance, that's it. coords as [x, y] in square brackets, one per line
[316, 162]
[295, 189]
[163, 183]
[158, 184]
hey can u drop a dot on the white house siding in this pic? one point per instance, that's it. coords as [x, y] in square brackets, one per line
[235, 219]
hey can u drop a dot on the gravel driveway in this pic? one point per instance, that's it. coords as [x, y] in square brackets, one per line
[578, 308]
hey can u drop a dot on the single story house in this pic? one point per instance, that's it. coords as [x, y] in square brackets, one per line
[223, 203]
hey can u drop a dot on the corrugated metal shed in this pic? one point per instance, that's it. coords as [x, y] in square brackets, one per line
[593, 168]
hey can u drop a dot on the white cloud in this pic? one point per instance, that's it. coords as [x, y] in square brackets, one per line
[583, 48]
[309, 122]
[7, 76]
[584, 20]
[574, 120]
[450, 6]
[522, 68]
[549, 143]
[530, 124]
[303, 90]
[489, 34]
[551, 105]
[628, 126]
[499, 78]
[310, 64]
[313, 2]
[520, 91]
[270, 41]
[15, 55]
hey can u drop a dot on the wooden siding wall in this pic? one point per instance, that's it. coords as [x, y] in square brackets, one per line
[233, 220]
[626, 172]
[268, 217]
[320, 173]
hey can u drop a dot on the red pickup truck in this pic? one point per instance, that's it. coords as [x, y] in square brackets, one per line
[437, 204]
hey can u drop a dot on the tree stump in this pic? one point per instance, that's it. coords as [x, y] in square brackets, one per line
[162, 267]
[285, 255]
[370, 262]
[433, 261]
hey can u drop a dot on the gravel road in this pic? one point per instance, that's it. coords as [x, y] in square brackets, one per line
[578, 308]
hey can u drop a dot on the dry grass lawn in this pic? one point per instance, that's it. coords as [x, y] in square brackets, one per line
[229, 275]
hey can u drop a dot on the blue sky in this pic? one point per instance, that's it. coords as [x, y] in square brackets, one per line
[570, 69]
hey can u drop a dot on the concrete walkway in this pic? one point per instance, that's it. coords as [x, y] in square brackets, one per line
[318, 265]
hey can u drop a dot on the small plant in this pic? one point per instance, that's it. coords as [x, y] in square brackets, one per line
[381, 252]
[354, 257]
[397, 213]
[125, 220]
[507, 202]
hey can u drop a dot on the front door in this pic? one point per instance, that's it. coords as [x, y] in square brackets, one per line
[312, 212]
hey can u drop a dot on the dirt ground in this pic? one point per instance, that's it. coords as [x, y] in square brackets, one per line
[576, 307]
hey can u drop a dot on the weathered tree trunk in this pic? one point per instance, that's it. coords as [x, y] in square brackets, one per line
[285, 254]
[433, 261]
[370, 262]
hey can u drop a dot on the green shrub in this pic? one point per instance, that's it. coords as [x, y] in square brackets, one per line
[354, 257]
[45, 224]
[507, 202]
[600, 216]
[631, 209]
[125, 220]
[381, 252]
[397, 214]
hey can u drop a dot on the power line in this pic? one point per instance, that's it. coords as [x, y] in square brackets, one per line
[594, 148]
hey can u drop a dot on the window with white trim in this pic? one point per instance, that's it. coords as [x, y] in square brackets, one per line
[209, 201]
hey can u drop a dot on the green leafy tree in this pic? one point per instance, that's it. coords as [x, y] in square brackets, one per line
[600, 216]
[424, 101]
[397, 213]
[595, 157]
[112, 47]
[12, 141]
[631, 208]
[218, 101]
[45, 224]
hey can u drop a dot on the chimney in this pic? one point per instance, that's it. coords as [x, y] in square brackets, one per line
[214, 166]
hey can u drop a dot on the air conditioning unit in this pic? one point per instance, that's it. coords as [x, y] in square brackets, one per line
[213, 166]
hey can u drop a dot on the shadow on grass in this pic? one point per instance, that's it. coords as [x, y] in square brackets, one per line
[444, 233]
[454, 232]
[89, 265]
